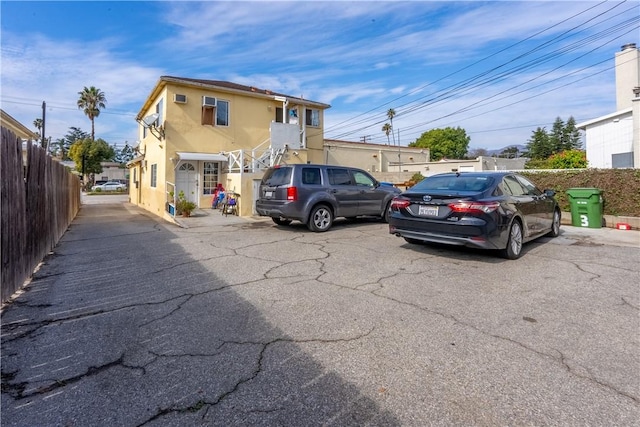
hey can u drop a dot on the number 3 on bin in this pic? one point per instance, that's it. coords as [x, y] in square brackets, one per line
[584, 220]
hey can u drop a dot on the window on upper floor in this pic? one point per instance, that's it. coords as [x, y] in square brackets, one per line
[312, 117]
[154, 175]
[215, 111]
[159, 109]
[292, 115]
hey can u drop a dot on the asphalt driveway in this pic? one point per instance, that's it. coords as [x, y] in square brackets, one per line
[134, 321]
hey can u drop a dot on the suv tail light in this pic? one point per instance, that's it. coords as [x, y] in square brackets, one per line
[470, 207]
[292, 194]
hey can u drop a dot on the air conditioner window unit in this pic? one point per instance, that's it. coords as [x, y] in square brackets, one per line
[208, 101]
[180, 99]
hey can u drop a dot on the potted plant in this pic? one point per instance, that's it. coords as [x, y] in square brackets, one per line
[184, 206]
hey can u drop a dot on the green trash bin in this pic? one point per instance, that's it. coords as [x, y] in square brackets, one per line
[586, 207]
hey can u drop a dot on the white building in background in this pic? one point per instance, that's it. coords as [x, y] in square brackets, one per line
[613, 141]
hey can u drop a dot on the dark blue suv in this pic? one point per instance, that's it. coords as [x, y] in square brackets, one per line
[316, 194]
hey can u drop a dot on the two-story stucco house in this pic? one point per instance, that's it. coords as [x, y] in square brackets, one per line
[196, 134]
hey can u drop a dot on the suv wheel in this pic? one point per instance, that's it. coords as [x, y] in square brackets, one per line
[320, 218]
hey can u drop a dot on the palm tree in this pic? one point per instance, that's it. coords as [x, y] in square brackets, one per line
[391, 114]
[90, 102]
[387, 130]
[38, 124]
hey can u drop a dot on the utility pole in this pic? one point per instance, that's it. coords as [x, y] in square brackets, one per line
[399, 161]
[363, 139]
[44, 140]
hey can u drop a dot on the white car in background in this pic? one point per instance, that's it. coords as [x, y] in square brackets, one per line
[110, 186]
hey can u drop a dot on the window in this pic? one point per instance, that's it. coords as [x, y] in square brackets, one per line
[154, 175]
[210, 177]
[529, 186]
[363, 179]
[311, 176]
[159, 109]
[622, 160]
[277, 176]
[215, 115]
[222, 113]
[339, 176]
[513, 187]
[292, 114]
[312, 117]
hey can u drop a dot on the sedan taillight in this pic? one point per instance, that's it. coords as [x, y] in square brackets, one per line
[292, 194]
[400, 202]
[470, 207]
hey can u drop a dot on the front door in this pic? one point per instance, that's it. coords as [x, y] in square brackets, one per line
[187, 181]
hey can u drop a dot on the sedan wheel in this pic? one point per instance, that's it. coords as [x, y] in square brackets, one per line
[320, 219]
[386, 213]
[555, 225]
[514, 245]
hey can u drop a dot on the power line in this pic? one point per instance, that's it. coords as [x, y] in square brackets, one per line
[482, 79]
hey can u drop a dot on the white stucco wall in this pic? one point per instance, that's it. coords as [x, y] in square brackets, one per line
[610, 136]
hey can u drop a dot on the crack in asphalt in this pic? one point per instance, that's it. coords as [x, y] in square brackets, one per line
[16, 390]
[559, 360]
[200, 404]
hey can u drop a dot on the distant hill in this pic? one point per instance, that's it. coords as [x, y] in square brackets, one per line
[521, 148]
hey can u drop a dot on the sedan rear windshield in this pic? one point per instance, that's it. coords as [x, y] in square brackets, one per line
[277, 176]
[454, 183]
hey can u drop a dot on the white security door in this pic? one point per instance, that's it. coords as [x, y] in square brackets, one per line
[187, 181]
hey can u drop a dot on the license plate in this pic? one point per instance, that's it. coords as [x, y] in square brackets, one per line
[427, 210]
[268, 194]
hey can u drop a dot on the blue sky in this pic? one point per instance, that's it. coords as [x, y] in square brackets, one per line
[498, 69]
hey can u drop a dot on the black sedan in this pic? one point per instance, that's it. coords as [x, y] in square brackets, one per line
[487, 210]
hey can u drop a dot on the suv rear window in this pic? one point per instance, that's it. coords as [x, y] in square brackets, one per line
[277, 176]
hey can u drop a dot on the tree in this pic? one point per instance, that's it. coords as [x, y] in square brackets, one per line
[510, 152]
[62, 145]
[88, 154]
[124, 155]
[449, 142]
[387, 130]
[563, 137]
[391, 113]
[90, 102]
[539, 146]
[477, 152]
[570, 159]
[38, 124]
[571, 136]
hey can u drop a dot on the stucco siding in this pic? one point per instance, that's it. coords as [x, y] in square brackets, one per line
[605, 138]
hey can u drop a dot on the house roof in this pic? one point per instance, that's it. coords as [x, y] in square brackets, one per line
[223, 86]
[611, 116]
[16, 127]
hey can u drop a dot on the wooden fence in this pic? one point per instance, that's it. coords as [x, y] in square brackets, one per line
[38, 201]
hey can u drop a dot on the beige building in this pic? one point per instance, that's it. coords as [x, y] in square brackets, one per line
[20, 130]
[196, 134]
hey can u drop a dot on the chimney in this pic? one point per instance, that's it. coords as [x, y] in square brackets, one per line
[627, 75]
